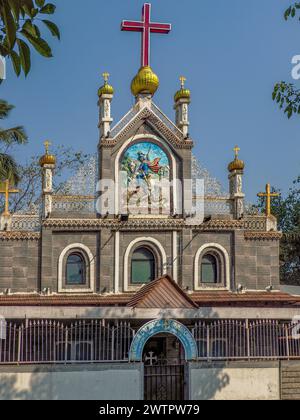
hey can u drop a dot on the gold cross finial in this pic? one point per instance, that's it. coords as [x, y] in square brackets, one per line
[268, 195]
[105, 77]
[182, 81]
[236, 151]
[7, 191]
[47, 144]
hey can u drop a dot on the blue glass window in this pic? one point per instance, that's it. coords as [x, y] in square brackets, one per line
[209, 270]
[76, 270]
[142, 266]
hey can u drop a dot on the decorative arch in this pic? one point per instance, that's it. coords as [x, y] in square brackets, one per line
[164, 146]
[225, 255]
[90, 258]
[160, 326]
[143, 240]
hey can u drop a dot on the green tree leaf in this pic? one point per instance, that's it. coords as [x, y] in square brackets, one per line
[34, 12]
[40, 45]
[25, 56]
[40, 3]
[15, 8]
[5, 48]
[53, 28]
[23, 17]
[16, 62]
[48, 9]
[291, 11]
[30, 28]
[286, 95]
[37, 31]
[287, 13]
[28, 10]
[10, 26]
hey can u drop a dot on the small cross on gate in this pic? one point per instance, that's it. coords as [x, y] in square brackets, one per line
[268, 195]
[146, 27]
[7, 191]
[151, 358]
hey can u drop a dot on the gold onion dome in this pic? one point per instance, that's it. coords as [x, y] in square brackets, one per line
[146, 81]
[237, 164]
[106, 89]
[183, 93]
[47, 159]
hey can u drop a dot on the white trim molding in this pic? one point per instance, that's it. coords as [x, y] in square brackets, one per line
[197, 285]
[91, 261]
[117, 262]
[144, 239]
[175, 255]
[119, 313]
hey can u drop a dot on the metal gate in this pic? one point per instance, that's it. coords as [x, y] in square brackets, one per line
[164, 382]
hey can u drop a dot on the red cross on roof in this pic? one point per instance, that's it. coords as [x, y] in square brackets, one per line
[146, 27]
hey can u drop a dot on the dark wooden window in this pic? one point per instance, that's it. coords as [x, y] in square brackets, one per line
[209, 269]
[75, 270]
[142, 266]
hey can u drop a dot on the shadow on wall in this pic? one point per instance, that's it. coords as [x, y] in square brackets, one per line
[210, 384]
[37, 385]
[8, 389]
[72, 382]
[34, 385]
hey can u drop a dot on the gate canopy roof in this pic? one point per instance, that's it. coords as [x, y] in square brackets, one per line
[162, 293]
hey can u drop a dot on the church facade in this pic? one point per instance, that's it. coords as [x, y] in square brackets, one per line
[152, 288]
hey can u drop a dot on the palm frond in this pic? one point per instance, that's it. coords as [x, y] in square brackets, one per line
[15, 135]
[5, 109]
[9, 169]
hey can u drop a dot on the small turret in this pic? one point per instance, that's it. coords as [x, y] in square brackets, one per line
[47, 163]
[236, 169]
[106, 94]
[182, 100]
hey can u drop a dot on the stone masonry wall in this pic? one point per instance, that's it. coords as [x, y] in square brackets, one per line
[32, 265]
[19, 265]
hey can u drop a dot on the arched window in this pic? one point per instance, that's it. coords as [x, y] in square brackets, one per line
[212, 268]
[209, 269]
[75, 270]
[142, 266]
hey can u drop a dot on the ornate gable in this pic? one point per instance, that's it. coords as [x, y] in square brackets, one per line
[155, 119]
[162, 293]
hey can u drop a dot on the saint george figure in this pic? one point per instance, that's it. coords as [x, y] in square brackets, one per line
[146, 167]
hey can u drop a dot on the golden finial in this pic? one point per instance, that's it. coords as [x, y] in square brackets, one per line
[268, 195]
[236, 151]
[47, 145]
[183, 93]
[237, 164]
[105, 77]
[47, 159]
[182, 81]
[106, 89]
[7, 191]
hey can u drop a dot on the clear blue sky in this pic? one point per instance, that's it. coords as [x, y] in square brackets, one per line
[232, 53]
